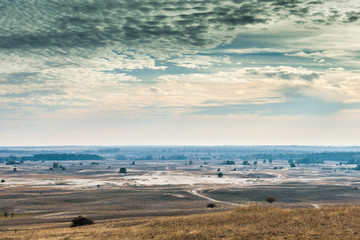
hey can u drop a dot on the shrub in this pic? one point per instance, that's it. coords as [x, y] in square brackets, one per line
[2, 180]
[270, 199]
[15, 169]
[211, 205]
[292, 165]
[122, 170]
[229, 162]
[81, 221]
[220, 174]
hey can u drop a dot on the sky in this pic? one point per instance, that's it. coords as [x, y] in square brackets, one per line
[179, 72]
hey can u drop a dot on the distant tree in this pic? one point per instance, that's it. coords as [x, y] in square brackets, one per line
[264, 161]
[218, 169]
[81, 221]
[122, 170]
[55, 165]
[270, 160]
[15, 170]
[351, 161]
[220, 175]
[6, 214]
[246, 163]
[63, 168]
[2, 180]
[132, 163]
[211, 205]
[229, 162]
[51, 169]
[205, 163]
[270, 199]
[255, 163]
[190, 162]
[292, 165]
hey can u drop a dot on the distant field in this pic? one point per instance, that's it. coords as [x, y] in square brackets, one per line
[251, 222]
[289, 193]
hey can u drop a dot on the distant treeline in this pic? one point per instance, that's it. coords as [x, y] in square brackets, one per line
[323, 156]
[309, 161]
[54, 156]
[149, 157]
[109, 150]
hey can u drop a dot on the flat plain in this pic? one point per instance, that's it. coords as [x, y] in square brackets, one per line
[36, 197]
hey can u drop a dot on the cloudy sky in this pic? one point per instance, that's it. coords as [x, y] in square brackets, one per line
[210, 72]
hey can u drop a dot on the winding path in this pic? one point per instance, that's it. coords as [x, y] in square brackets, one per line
[196, 192]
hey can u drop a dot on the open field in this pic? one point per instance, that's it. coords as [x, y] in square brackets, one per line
[251, 222]
[43, 198]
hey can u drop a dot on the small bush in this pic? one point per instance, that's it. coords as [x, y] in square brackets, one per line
[220, 174]
[122, 170]
[81, 221]
[270, 199]
[211, 205]
[2, 180]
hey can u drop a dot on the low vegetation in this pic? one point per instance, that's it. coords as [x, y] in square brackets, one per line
[270, 199]
[252, 222]
[211, 205]
[81, 221]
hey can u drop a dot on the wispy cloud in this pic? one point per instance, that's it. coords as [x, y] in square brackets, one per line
[138, 59]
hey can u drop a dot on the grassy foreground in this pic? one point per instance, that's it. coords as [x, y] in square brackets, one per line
[253, 222]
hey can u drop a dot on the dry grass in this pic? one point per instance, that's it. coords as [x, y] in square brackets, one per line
[253, 222]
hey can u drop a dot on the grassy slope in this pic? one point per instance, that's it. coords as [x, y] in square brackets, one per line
[243, 223]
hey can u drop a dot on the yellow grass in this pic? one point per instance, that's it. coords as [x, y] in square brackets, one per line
[243, 223]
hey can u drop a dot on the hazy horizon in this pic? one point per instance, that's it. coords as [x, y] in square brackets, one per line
[231, 72]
